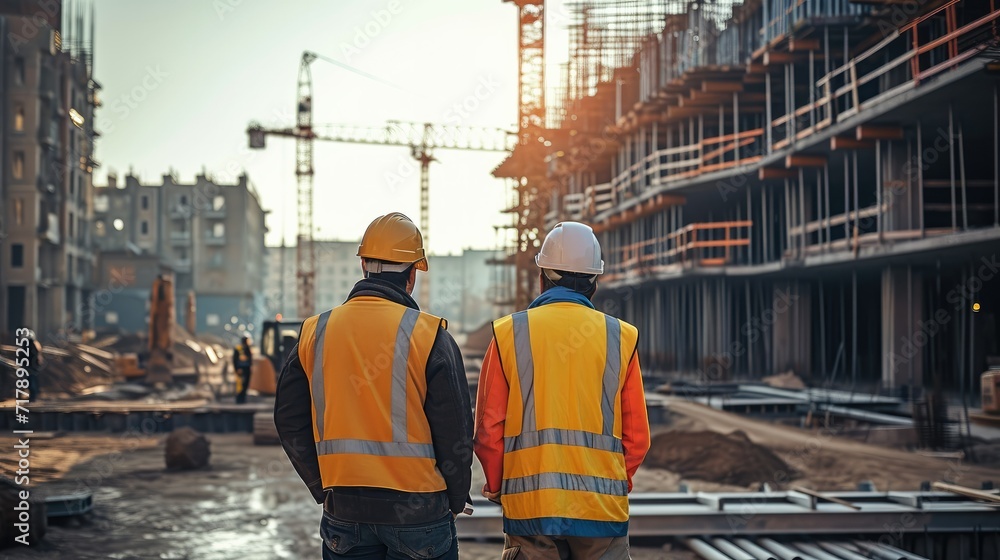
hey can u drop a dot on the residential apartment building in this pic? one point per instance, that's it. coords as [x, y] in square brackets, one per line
[461, 285]
[337, 270]
[47, 99]
[461, 289]
[210, 234]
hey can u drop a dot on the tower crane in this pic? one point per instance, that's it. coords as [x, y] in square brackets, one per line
[422, 139]
[524, 167]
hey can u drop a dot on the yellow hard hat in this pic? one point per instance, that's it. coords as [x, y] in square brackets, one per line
[393, 238]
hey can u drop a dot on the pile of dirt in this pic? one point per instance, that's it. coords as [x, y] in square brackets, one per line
[787, 380]
[715, 457]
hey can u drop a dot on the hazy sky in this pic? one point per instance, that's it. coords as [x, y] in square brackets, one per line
[182, 79]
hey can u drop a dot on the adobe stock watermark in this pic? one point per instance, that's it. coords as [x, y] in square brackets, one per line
[925, 331]
[34, 24]
[123, 105]
[454, 116]
[460, 111]
[224, 7]
[365, 34]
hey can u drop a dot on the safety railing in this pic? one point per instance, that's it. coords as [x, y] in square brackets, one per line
[684, 162]
[920, 62]
[704, 244]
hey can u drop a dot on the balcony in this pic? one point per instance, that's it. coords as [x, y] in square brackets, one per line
[182, 265]
[180, 238]
[180, 212]
[216, 213]
[215, 240]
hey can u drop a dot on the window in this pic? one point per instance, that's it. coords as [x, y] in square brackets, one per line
[145, 203]
[101, 203]
[100, 228]
[17, 165]
[218, 202]
[184, 200]
[19, 71]
[111, 318]
[219, 230]
[72, 224]
[19, 118]
[212, 320]
[182, 254]
[144, 227]
[18, 211]
[17, 255]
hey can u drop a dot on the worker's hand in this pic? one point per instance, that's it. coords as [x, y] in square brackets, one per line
[491, 496]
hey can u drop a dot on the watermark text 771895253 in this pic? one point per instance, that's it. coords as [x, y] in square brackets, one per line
[22, 510]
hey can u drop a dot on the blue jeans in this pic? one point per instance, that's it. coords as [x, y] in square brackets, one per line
[370, 541]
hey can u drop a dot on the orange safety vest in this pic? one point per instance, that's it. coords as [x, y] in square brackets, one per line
[564, 464]
[366, 365]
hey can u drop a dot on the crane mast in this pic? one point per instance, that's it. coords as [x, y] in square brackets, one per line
[305, 253]
[422, 139]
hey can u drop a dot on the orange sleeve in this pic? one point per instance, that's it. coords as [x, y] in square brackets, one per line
[635, 423]
[491, 414]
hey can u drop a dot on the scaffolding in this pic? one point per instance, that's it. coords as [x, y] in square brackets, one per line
[785, 184]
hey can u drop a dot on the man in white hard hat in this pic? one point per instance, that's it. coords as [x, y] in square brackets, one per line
[561, 421]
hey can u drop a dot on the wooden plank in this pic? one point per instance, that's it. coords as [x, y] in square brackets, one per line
[803, 160]
[848, 143]
[878, 132]
[765, 173]
[771, 58]
[803, 45]
[967, 492]
[826, 497]
[713, 86]
[700, 97]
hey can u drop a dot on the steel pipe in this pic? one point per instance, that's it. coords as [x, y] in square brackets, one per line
[705, 550]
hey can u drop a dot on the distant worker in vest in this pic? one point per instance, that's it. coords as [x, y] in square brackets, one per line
[242, 364]
[561, 421]
[373, 410]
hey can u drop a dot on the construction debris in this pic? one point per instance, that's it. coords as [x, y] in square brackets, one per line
[187, 449]
[73, 368]
[714, 457]
[787, 380]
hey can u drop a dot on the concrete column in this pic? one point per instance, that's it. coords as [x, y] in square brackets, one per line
[791, 317]
[904, 336]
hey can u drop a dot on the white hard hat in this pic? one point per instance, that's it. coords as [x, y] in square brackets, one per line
[571, 247]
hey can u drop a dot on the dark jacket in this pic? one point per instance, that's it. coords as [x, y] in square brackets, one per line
[449, 413]
[237, 364]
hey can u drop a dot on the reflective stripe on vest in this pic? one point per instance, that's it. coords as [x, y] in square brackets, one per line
[365, 362]
[529, 437]
[564, 471]
[399, 447]
[565, 481]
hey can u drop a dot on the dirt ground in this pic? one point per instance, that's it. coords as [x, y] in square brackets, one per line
[250, 504]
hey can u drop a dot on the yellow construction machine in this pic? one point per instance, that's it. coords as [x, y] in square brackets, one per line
[161, 323]
[277, 339]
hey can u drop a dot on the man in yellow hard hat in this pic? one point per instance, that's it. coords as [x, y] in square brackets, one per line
[561, 421]
[373, 410]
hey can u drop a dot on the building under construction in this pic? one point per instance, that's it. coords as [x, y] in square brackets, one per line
[804, 185]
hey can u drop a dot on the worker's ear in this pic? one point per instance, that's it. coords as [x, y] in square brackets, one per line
[412, 280]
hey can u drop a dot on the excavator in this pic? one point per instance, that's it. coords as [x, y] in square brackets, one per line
[161, 322]
[277, 339]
